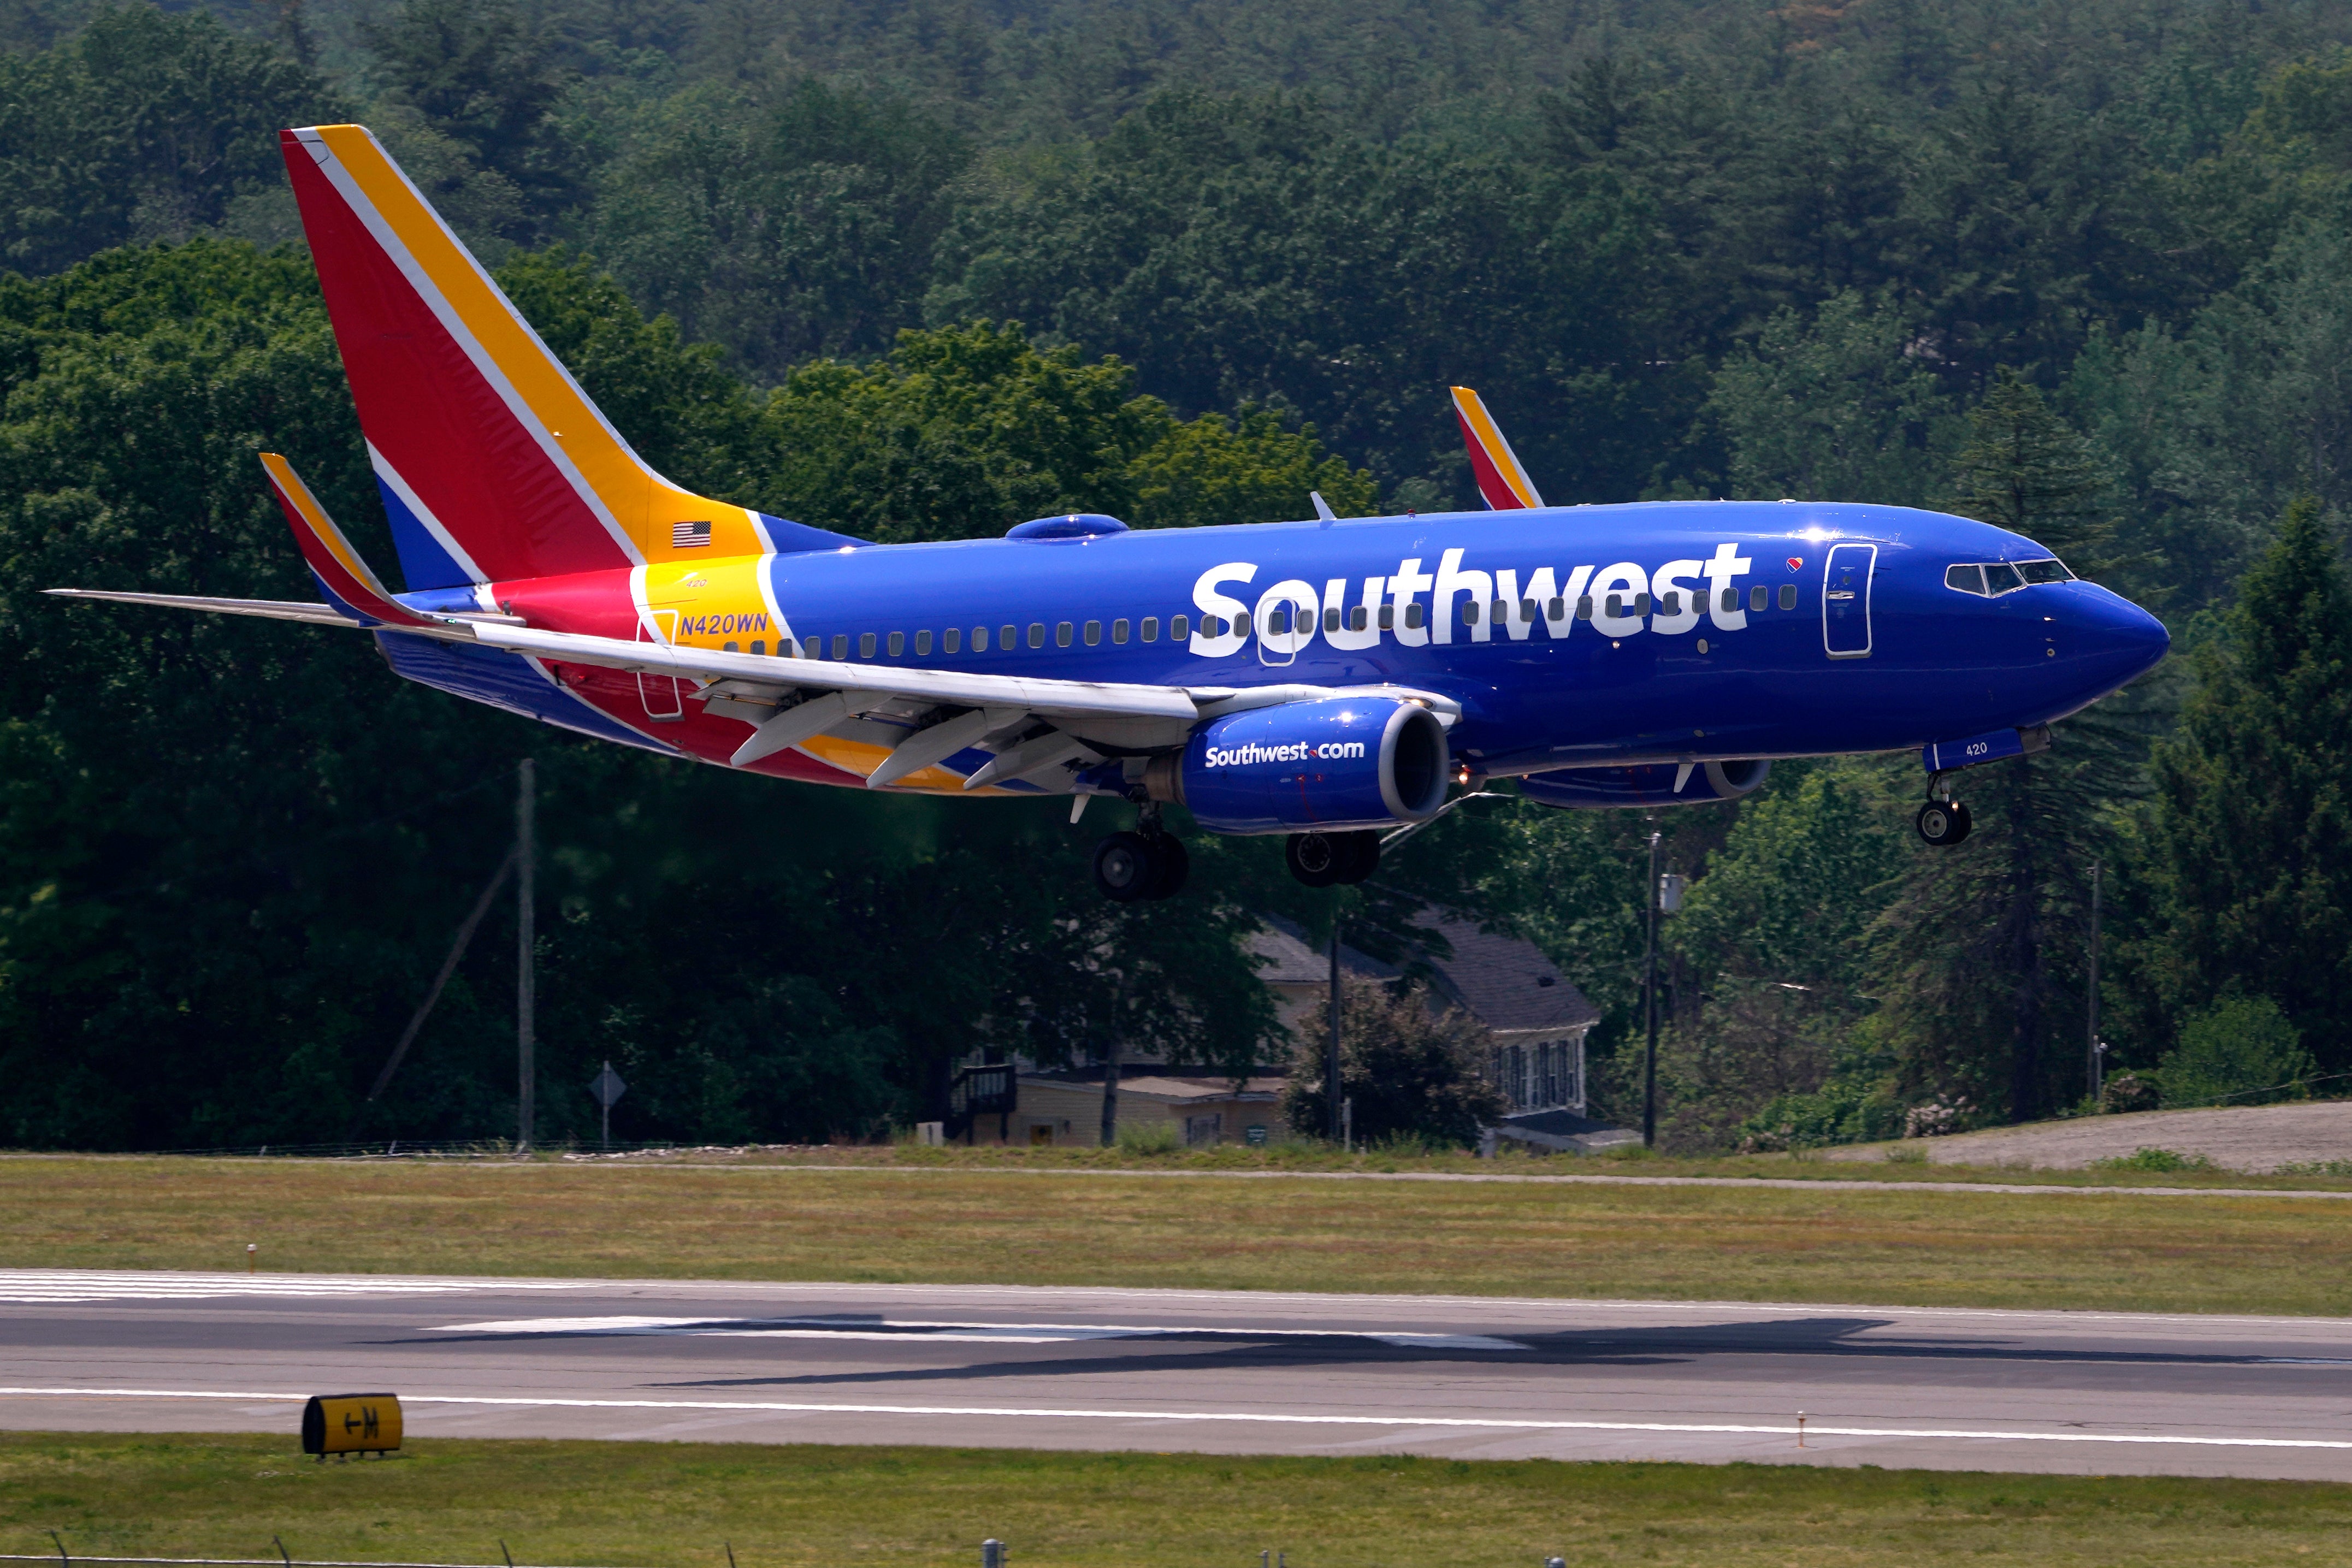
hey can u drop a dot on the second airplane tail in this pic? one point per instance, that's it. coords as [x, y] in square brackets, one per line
[1501, 480]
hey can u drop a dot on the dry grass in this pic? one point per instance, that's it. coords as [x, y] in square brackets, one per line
[680, 1506]
[1928, 1245]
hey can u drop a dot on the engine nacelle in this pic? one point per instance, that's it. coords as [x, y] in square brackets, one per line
[1650, 784]
[1333, 763]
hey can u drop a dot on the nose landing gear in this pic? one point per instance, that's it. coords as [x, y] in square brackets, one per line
[1328, 860]
[1942, 821]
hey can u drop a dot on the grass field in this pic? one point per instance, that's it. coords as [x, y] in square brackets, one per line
[682, 1506]
[1926, 1246]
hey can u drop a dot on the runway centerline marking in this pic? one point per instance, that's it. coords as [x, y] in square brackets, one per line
[917, 1331]
[1260, 1417]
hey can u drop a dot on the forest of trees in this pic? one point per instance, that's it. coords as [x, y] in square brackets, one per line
[924, 269]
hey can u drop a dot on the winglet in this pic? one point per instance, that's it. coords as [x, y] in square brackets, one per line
[342, 576]
[1501, 480]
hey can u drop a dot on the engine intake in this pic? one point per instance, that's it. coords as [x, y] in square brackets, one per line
[1336, 762]
[1649, 784]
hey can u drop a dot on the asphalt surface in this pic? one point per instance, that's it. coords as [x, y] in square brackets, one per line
[1467, 1377]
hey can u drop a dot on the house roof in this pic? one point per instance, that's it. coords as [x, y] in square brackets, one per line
[1161, 1086]
[1504, 982]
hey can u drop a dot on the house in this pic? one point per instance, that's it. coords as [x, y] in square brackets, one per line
[1534, 1017]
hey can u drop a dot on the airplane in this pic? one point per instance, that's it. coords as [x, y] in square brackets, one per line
[1326, 680]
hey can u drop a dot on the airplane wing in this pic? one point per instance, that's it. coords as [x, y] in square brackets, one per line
[1501, 480]
[828, 691]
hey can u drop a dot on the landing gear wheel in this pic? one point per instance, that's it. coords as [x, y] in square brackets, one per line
[1126, 869]
[1318, 860]
[1170, 865]
[1943, 823]
[1361, 856]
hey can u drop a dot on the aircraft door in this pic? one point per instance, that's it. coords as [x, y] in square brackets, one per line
[1845, 601]
[663, 696]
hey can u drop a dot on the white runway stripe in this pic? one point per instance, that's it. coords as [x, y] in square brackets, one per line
[917, 1331]
[34, 1285]
[1501, 1424]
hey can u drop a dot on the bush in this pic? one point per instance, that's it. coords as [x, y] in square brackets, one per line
[1845, 1111]
[1148, 1139]
[2155, 1160]
[2241, 1049]
[2127, 1091]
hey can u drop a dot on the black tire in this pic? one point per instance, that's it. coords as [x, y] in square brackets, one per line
[1171, 866]
[1363, 857]
[1943, 823]
[1125, 868]
[1318, 860]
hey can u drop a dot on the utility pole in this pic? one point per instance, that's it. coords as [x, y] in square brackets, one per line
[1650, 1006]
[1331, 1056]
[527, 938]
[1110, 1091]
[2096, 1074]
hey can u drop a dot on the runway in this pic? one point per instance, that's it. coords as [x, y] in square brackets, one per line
[1238, 1371]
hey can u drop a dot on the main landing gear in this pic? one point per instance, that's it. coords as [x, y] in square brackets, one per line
[1150, 864]
[1330, 860]
[1942, 821]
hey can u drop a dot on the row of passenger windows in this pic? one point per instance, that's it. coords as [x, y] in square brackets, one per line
[1278, 624]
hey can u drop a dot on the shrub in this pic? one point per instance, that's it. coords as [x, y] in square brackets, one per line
[1148, 1139]
[2127, 1091]
[2241, 1049]
[2146, 1159]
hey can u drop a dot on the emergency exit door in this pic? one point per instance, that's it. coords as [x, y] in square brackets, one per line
[1845, 601]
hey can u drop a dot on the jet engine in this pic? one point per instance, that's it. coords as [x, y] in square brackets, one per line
[1649, 784]
[1332, 763]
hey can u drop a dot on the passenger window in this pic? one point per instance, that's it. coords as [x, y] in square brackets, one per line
[1150, 628]
[922, 644]
[759, 644]
[1062, 633]
[1359, 618]
[1412, 616]
[1008, 637]
[1967, 579]
[841, 644]
[1788, 596]
[1674, 603]
[1616, 606]
[731, 647]
[1641, 604]
[1037, 633]
[1179, 627]
[1584, 607]
[1118, 631]
[952, 640]
[1470, 613]
[1331, 619]
[865, 644]
[1388, 617]
[1094, 632]
[2045, 572]
[2002, 577]
[897, 644]
[978, 641]
[1277, 620]
[1758, 598]
[1527, 611]
[1556, 610]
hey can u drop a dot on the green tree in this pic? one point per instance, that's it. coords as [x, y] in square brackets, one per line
[2233, 1052]
[484, 82]
[142, 126]
[2246, 847]
[1414, 1071]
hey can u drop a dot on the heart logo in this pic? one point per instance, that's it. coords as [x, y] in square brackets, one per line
[1796, 563]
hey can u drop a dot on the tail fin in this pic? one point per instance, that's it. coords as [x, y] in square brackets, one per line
[342, 576]
[1501, 480]
[493, 463]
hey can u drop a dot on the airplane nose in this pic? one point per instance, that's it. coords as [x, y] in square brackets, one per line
[2109, 639]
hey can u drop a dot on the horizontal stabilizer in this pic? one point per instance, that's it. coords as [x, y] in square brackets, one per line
[268, 609]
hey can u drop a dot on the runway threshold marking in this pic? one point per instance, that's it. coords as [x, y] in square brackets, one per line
[1259, 1417]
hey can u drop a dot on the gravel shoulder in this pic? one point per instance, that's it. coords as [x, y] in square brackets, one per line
[2255, 1139]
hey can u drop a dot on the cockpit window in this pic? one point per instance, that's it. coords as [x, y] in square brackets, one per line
[2000, 577]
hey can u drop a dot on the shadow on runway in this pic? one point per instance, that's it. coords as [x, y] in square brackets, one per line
[1092, 1354]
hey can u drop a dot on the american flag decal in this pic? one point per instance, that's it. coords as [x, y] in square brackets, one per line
[688, 536]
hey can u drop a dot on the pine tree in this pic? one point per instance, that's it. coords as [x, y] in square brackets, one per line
[2247, 846]
[1980, 958]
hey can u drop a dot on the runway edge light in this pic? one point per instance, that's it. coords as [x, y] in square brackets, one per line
[351, 1423]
